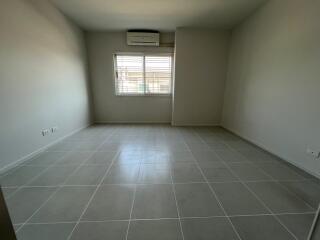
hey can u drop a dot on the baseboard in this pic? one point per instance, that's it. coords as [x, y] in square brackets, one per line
[36, 152]
[160, 122]
[132, 122]
[316, 175]
[195, 124]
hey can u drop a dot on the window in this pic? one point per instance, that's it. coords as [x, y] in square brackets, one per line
[143, 74]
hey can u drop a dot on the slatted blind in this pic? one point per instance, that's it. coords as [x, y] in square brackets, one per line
[129, 74]
[143, 74]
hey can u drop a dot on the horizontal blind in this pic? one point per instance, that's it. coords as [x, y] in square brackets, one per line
[129, 74]
[158, 74]
[140, 74]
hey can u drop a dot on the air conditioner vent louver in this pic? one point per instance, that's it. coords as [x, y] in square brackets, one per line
[145, 38]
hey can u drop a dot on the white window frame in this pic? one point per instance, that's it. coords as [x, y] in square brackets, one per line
[141, 94]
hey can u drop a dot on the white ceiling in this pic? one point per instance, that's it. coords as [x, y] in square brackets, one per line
[164, 15]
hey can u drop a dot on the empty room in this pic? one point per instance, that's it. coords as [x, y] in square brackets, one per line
[159, 119]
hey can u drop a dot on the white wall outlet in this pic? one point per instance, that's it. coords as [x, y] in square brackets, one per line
[45, 132]
[314, 153]
[54, 129]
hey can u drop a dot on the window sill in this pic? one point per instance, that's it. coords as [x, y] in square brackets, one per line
[143, 95]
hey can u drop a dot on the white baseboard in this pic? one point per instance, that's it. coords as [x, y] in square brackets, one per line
[132, 122]
[195, 125]
[36, 152]
[159, 122]
[316, 175]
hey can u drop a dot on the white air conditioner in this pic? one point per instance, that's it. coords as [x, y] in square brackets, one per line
[150, 38]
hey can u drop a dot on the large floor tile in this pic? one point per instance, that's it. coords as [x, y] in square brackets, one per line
[173, 147]
[110, 230]
[258, 155]
[241, 145]
[111, 202]
[45, 158]
[155, 157]
[298, 224]
[74, 158]
[123, 174]
[53, 176]
[26, 201]
[196, 146]
[87, 146]
[206, 156]
[184, 156]
[237, 199]
[65, 205]
[217, 146]
[21, 176]
[186, 172]
[101, 158]
[279, 171]
[162, 199]
[231, 156]
[128, 157]
[115, 146]
[155, 173]
[64, 146]
[278, 199]
[307, 190]
[55, 231]
[217, 172]
[155, 230]
[218, 228]
[196, 200]
[260, 228]
[300, 172]
[87, 175]
[248, 172]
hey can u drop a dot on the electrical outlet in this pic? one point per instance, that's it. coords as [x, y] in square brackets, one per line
[314, 153]
[54, 129]
[45, 132]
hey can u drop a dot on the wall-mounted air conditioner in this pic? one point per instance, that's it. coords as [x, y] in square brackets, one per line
[143, 38]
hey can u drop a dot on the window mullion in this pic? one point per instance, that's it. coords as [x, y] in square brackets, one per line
[144, 74]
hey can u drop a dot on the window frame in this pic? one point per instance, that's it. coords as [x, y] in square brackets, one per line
[142, 54]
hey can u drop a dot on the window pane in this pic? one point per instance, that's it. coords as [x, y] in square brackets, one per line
[139, 74]
[158, 74]
[129, 75]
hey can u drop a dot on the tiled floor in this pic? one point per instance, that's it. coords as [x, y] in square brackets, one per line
[155, 182]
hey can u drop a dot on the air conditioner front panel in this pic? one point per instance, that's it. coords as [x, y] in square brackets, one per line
[143, 39]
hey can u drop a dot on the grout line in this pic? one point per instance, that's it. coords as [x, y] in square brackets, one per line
[287, 189]
[275, 180]
[46, 168]
[134, 197]
[96, 189]
[259, 199]
[174, 193]
[172, 218]
[314, 225]
[50, 197]
[37, 152]
[177, 183]
[270, 176]
[214, 194]
[173, 185]
[9, 171]
[176, 201]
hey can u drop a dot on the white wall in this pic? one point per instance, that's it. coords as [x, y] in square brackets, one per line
[111, 108]
[200, 74]
[42, 77]
[272, 95]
